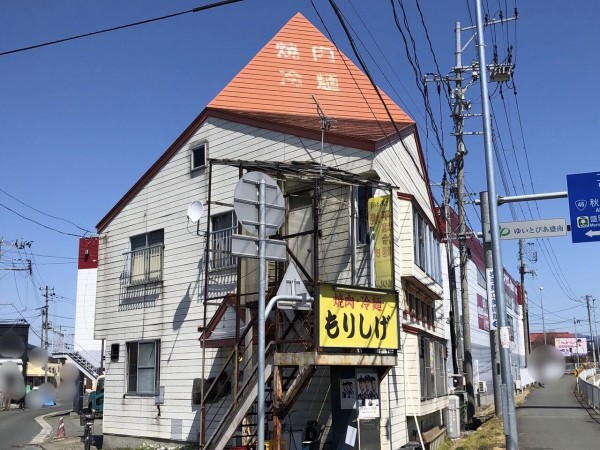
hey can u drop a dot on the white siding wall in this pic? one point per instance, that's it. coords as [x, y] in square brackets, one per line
[393, 407]
[174, 314]
[480, 338]
[335, 249]
[84, 341]
[400, 165]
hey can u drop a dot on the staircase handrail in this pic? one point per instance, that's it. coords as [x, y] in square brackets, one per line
[269, 351]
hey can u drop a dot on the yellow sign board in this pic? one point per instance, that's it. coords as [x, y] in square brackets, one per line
[347, 319]
[380, 221]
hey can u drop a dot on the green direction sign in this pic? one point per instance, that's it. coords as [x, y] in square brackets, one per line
[530, 229]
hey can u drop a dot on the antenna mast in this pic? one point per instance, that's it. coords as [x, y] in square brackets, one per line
[325, 126]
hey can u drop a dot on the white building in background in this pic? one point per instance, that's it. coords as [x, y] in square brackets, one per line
[87, 276]
[479, 316]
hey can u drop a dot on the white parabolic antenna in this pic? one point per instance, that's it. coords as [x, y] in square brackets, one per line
[195, 211]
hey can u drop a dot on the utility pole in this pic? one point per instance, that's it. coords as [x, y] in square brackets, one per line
[499, 72]
[543, 319]
[48, 293]
[458, 116]
[509, 413]
[587, 299]
[522, 271]
[457, 356]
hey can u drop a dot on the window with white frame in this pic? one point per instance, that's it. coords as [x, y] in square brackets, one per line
[143, 367]
[145, 260]
[198, 155]
[426, 247]
[223, 226]
[432, 367]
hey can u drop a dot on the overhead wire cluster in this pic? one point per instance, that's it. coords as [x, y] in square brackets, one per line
[516, 155]
[18, 260]
[501, 41]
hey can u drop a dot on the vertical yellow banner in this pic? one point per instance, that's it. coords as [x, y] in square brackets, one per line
[380, 218]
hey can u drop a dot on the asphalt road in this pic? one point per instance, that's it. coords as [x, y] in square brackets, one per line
[552, 418]
[19, 427]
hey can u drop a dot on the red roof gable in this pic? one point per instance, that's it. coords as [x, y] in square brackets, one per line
[298, 66]
[275, 91]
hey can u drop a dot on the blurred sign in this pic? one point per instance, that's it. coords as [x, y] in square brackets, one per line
[570, 346]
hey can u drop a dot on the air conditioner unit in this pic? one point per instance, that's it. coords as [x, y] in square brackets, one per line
[482, 387]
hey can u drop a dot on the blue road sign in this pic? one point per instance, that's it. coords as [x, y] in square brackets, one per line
[584, 206]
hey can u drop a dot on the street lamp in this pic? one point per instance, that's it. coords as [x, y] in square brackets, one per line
[543, 320]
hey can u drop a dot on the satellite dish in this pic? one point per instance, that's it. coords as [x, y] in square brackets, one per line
[195, 211]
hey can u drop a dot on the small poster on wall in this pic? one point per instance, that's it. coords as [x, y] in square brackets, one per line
[348, 393]
[368, 396]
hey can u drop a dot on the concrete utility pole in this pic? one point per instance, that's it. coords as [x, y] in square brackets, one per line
[542, 308]
[587, 299]
[510, 417]
[457, 356]
[500, 72]
[522, 271]
[48, 293]
[458, 116]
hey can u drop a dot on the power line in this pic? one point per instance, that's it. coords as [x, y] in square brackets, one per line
[370, 78]
[392, 86]
[42, 212]
[414, 63]
[120, 27]
[49, 256]
[38, 223]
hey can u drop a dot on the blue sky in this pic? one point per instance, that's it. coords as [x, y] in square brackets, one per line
[81, 121]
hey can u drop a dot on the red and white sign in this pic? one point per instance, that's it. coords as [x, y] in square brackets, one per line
[569, 346]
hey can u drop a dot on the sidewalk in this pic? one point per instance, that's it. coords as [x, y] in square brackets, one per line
[73, 433]
[553, 418]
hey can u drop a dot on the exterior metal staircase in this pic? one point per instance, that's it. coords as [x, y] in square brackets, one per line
[82, 363]
[234, 417]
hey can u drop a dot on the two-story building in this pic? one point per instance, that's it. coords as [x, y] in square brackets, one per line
[481, 316]
[177, 304]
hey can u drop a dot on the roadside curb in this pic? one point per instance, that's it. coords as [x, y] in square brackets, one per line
[46, 427]
[57, 413]
[63, 443]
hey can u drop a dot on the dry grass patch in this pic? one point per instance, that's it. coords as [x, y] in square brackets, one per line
[489, 436]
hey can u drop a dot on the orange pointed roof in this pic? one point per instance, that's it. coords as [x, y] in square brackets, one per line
[278, 85]
[275, 91]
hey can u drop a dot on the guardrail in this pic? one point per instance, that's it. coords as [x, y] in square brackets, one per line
[589, 391]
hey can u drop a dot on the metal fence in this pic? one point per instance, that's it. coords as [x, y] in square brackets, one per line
[589, 391]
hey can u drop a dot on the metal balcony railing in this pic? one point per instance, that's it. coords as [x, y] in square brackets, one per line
[220, 245]
[143, 266]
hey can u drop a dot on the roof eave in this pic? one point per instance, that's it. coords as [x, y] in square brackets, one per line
[152, 171]
[331, 138]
